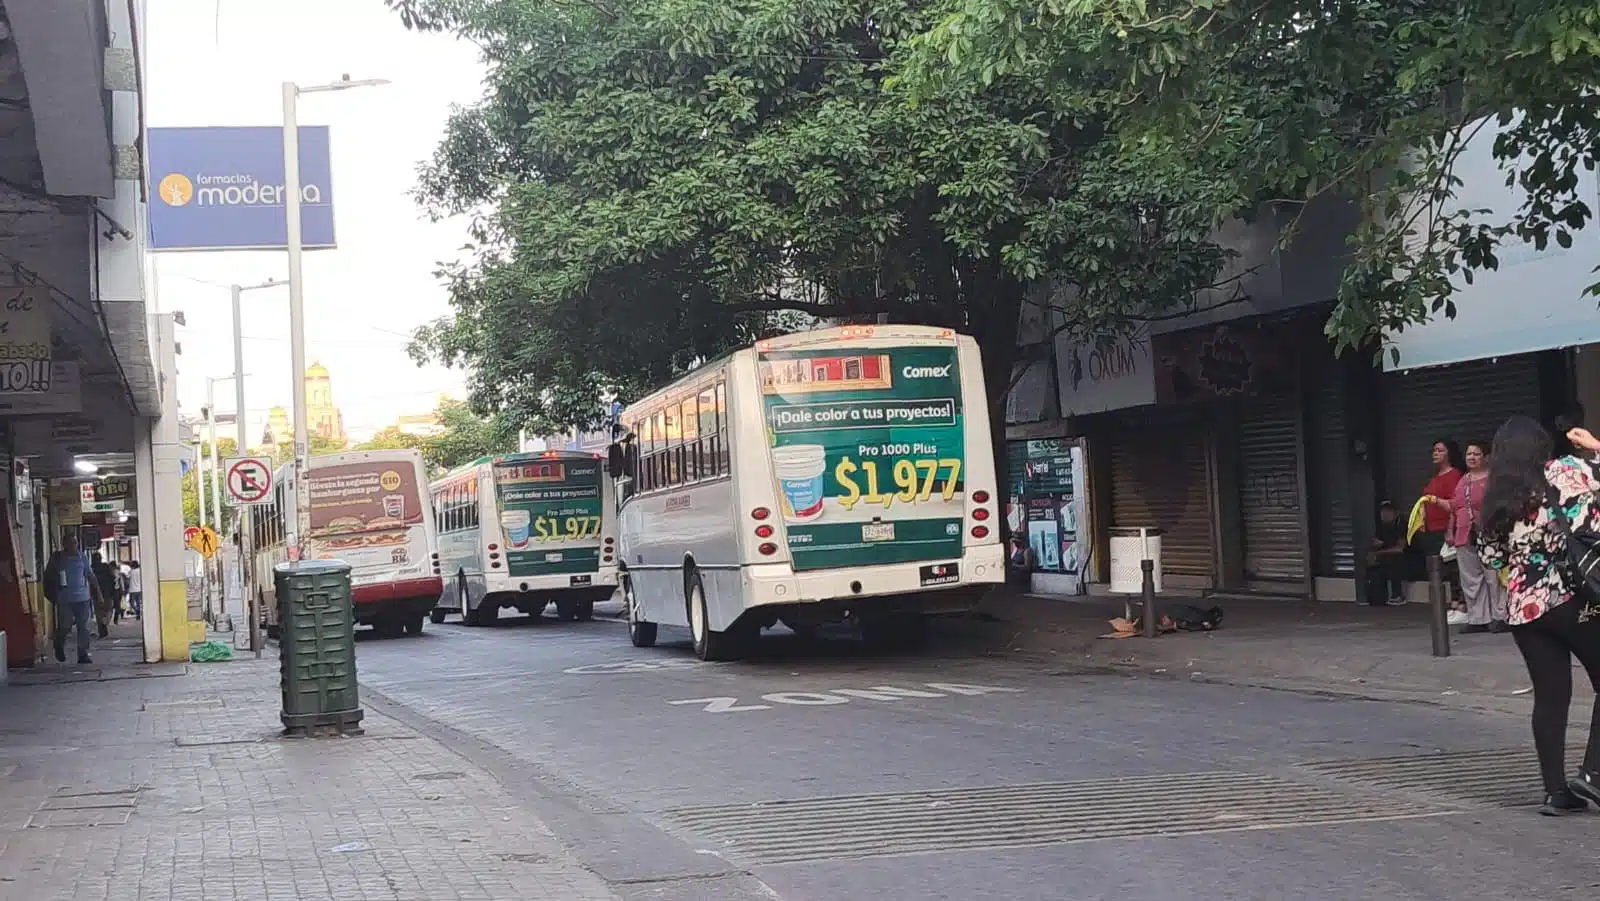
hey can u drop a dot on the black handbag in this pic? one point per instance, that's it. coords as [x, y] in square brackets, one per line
[1582, 564]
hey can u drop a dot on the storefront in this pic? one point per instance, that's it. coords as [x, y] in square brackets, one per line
[1158, 465]
[1045, 505]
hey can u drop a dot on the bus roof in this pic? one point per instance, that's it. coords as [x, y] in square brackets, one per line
[517, 458]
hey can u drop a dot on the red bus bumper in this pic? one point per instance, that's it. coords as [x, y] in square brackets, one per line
[379, 592]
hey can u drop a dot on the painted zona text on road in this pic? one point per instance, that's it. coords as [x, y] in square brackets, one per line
[835, 696]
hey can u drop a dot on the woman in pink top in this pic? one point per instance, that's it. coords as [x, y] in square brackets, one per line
[1480, 586]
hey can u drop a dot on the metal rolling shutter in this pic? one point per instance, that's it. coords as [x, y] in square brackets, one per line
[1159, 478]
[1328, 478]
[1269, 489]
[1467, 402]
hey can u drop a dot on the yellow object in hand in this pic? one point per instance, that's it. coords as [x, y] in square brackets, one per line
[1418, 515]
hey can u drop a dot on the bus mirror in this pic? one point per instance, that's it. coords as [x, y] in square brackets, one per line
[616, 463]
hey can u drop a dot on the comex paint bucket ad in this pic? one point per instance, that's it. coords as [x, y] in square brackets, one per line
[799, 468]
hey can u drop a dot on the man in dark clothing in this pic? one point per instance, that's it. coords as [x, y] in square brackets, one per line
[106, 578]
[70, 585]
[1386, 559]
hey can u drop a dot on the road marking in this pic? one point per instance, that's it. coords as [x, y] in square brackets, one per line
[836, 696]
[630, 666]
[721, 705]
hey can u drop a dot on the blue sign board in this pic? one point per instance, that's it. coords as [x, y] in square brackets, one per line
[222, 188]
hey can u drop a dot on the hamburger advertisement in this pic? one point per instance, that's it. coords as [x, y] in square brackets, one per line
[362, 513]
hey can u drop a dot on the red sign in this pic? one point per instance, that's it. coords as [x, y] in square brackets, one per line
[190, 533]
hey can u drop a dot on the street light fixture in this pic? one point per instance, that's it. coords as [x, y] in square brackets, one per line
[297, 326]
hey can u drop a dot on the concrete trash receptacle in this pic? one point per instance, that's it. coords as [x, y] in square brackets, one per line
[1128, 548]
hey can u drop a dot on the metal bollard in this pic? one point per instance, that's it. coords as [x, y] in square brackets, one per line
[1438, 607]
[1148, 567]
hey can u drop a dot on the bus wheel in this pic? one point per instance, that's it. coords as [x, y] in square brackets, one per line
[414, 624]
[585, 611]
[485, 614]
[709, 645]
[567, 611]
[438, 614]
[640, 633]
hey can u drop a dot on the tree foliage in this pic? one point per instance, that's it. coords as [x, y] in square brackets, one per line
[1303, 98]
[390, 438]
[466, 436]
[652, 181]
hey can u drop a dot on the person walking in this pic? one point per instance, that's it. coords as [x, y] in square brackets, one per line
[106, 578]
[1530, 505]
[135, 590]
[1480, 587]
[69, 583]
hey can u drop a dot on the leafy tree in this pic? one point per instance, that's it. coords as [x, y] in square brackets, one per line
[1298, 99]
[391, 438]
[653, 181]
[226, 447]
[466, 436]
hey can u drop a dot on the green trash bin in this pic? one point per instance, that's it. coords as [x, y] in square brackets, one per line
[317, 649]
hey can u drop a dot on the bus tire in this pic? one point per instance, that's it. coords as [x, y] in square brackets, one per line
[438, 614]
[640, 633]
[566, 611]
[414, 624]
[708, 644]
[585, 611]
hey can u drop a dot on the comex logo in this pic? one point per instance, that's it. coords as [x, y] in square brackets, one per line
[926, 372]
[177, 189]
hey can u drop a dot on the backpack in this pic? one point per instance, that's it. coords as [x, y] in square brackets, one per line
[52, 577]
[1582, 564]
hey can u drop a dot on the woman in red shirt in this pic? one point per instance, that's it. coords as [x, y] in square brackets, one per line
[1448, 466]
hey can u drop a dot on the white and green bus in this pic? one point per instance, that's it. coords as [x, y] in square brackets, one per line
[844, 474]
[525, 531]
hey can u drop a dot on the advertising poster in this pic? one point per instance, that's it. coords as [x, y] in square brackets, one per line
[550, 515]
[1044, 477]
[362, 513]
[868, 450]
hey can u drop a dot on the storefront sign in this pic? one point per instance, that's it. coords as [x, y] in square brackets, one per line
[1110, 374]
[65, 505]
[24, 340]
[105, 495]
[1044, 505]
[61, 392]
[1243, 358]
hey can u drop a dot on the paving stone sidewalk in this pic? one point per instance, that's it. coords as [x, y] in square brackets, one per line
[1330, 647]
[163, 787]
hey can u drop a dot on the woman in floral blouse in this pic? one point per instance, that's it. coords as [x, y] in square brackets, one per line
[1551, 619]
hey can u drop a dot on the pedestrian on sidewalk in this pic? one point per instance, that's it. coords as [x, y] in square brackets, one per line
[69, 583]
[1480, 587]
[106, 578]
[1530, 505]
[135, 590]
[1386, 559]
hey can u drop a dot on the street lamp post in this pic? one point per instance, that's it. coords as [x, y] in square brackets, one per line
[297, 327]
[242, 442]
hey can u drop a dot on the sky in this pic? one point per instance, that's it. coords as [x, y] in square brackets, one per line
[222, 62]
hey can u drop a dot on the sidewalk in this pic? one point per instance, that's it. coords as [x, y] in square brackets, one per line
[1328, 647]
[124, 782]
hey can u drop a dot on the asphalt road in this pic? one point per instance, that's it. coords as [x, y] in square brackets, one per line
[824, 773]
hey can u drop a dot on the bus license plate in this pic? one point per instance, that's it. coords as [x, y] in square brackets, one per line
[582, 580]
[941, 574]
[877, 531]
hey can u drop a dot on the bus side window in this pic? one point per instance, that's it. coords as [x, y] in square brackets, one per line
[723, 463]
[690, 465]
[707, 447]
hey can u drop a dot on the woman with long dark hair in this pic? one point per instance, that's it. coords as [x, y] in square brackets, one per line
[1530, 505]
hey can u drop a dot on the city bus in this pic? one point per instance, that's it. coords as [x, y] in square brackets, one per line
[525, 531]
[844, 474]
[368, 510]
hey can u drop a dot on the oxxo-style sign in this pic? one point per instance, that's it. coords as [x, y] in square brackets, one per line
[248, 481]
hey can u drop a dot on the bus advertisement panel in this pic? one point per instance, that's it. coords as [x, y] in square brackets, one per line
[868, 450]
[550, 515]
[367, 513]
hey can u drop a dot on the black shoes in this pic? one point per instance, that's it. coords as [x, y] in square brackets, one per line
[1474, 628]
[1562, 803]
[1586, 785]
[61, 655]
[84, 658]
[1499, 626]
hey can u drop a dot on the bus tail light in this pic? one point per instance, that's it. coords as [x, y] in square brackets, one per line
[980, 496]
[763, 531]
[981, 514]
[767, 549]
[610, 540]
[494, 564]
[980, 531]
[760, 513]
[494, 547]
